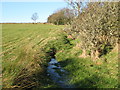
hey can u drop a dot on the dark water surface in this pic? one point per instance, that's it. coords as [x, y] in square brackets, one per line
[57, 74]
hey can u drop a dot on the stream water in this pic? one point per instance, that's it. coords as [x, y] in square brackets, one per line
[57, 74]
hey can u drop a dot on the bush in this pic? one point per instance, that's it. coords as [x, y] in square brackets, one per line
[97, 25]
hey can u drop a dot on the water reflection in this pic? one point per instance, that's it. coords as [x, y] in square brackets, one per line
[57, 74]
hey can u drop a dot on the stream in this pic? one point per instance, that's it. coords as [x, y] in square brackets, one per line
[57, 74]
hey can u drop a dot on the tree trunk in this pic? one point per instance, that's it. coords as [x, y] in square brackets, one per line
[83, 55]
[95, 55]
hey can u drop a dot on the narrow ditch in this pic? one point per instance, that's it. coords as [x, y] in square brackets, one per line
[56, 73]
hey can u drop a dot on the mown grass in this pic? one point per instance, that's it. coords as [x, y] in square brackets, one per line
[23, 60]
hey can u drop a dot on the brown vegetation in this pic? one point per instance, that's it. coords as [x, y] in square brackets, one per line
[96, 26]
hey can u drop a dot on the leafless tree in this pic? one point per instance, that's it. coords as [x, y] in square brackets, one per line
[34, 17]
[76, 5]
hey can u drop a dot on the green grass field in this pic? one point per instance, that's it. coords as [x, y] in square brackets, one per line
[21, 45]
[25, 59]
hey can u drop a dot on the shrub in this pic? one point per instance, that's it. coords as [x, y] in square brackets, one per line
[97, 25]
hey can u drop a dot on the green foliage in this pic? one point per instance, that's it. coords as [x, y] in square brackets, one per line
[105, 49]
[88, 52]
[61, 17]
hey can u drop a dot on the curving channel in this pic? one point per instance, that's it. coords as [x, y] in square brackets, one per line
[57, 74]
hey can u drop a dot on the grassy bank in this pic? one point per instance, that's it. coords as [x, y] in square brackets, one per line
[27, 48]
[23, 60]
[86, 73]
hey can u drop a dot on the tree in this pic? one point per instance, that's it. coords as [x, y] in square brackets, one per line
[76, 5]
[61, 17]
[97, 26]
[34, 17]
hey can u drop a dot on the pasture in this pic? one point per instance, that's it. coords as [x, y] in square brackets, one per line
[20, 45]
[24, 58]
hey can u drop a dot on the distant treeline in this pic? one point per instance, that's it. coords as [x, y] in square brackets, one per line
[61, 17]
[25, 23]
